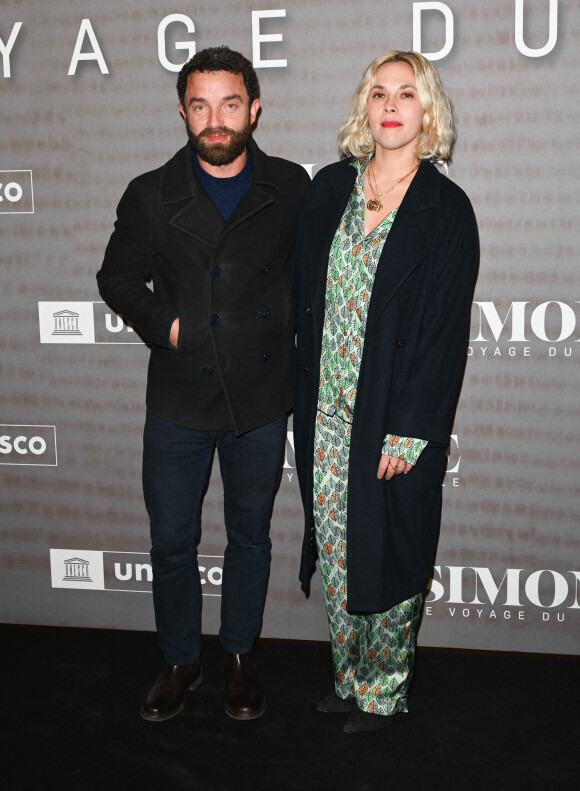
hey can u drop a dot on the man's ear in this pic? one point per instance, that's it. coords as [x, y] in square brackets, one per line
[182, 111]
[254, 107]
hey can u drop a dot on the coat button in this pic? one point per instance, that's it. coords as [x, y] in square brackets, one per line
[400, 344]
[308, 311]
[207, 370]
[266, 268]
[264, 311]
[216, 271]
[215, 319]
[267, 356]
[312, 537]
[306, 369]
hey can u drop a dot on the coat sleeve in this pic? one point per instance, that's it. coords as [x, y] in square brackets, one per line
[423, 406]
[128, 266]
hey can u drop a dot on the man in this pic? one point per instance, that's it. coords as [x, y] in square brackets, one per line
[212, 229]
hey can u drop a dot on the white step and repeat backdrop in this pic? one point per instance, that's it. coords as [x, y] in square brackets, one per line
[88, 101]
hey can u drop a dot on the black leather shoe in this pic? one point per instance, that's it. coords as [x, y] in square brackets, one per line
[363, 721]
[244, 694]
[332, 704]
[165, 698]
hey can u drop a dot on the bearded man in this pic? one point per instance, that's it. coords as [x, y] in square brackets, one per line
[212, 231]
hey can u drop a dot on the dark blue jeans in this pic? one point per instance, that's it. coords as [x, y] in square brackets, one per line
[176, 467]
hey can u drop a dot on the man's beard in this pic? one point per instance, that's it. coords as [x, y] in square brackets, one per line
[220, 153]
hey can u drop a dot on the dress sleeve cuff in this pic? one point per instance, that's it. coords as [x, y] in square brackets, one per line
[407, 448]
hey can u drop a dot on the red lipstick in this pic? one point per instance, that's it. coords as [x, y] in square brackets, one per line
[390, 124]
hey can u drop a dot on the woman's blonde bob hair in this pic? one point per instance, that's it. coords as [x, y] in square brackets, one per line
[437, 132]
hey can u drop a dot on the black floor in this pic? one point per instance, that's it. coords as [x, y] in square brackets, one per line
[477, 721]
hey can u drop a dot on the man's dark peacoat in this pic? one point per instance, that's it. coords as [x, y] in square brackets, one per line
[227, 282]
[414, 353]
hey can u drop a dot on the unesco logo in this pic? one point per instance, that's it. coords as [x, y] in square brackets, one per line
[83, 322]
[66, 322]
[133, 572]
[16, 194]
[77, 568]
[32, 446]
[122, 572]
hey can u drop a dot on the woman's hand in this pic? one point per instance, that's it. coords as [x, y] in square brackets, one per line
[391, 465]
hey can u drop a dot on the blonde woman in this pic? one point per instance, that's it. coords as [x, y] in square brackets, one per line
[384, 268]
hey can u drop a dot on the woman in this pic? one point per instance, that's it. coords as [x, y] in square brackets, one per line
[385, 261]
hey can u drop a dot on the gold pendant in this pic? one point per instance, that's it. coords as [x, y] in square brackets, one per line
[374, 205]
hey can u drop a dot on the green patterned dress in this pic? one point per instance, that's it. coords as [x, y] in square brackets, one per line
[373, 654]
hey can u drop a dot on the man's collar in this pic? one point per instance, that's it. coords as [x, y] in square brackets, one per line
[204, 176]
[179, 180]
[264, 170]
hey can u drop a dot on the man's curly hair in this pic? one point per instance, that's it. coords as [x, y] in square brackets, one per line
[219, 59]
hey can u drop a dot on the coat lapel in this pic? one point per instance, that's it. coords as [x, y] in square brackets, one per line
[406, 247]
[324, 221]
[255, 199]
[199, 218]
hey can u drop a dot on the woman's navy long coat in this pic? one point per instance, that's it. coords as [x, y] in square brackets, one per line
[413, 359]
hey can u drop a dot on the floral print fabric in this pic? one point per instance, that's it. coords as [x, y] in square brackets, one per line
[352, 265]
[373, 654]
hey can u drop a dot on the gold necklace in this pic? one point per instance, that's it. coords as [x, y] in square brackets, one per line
[374, 204]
